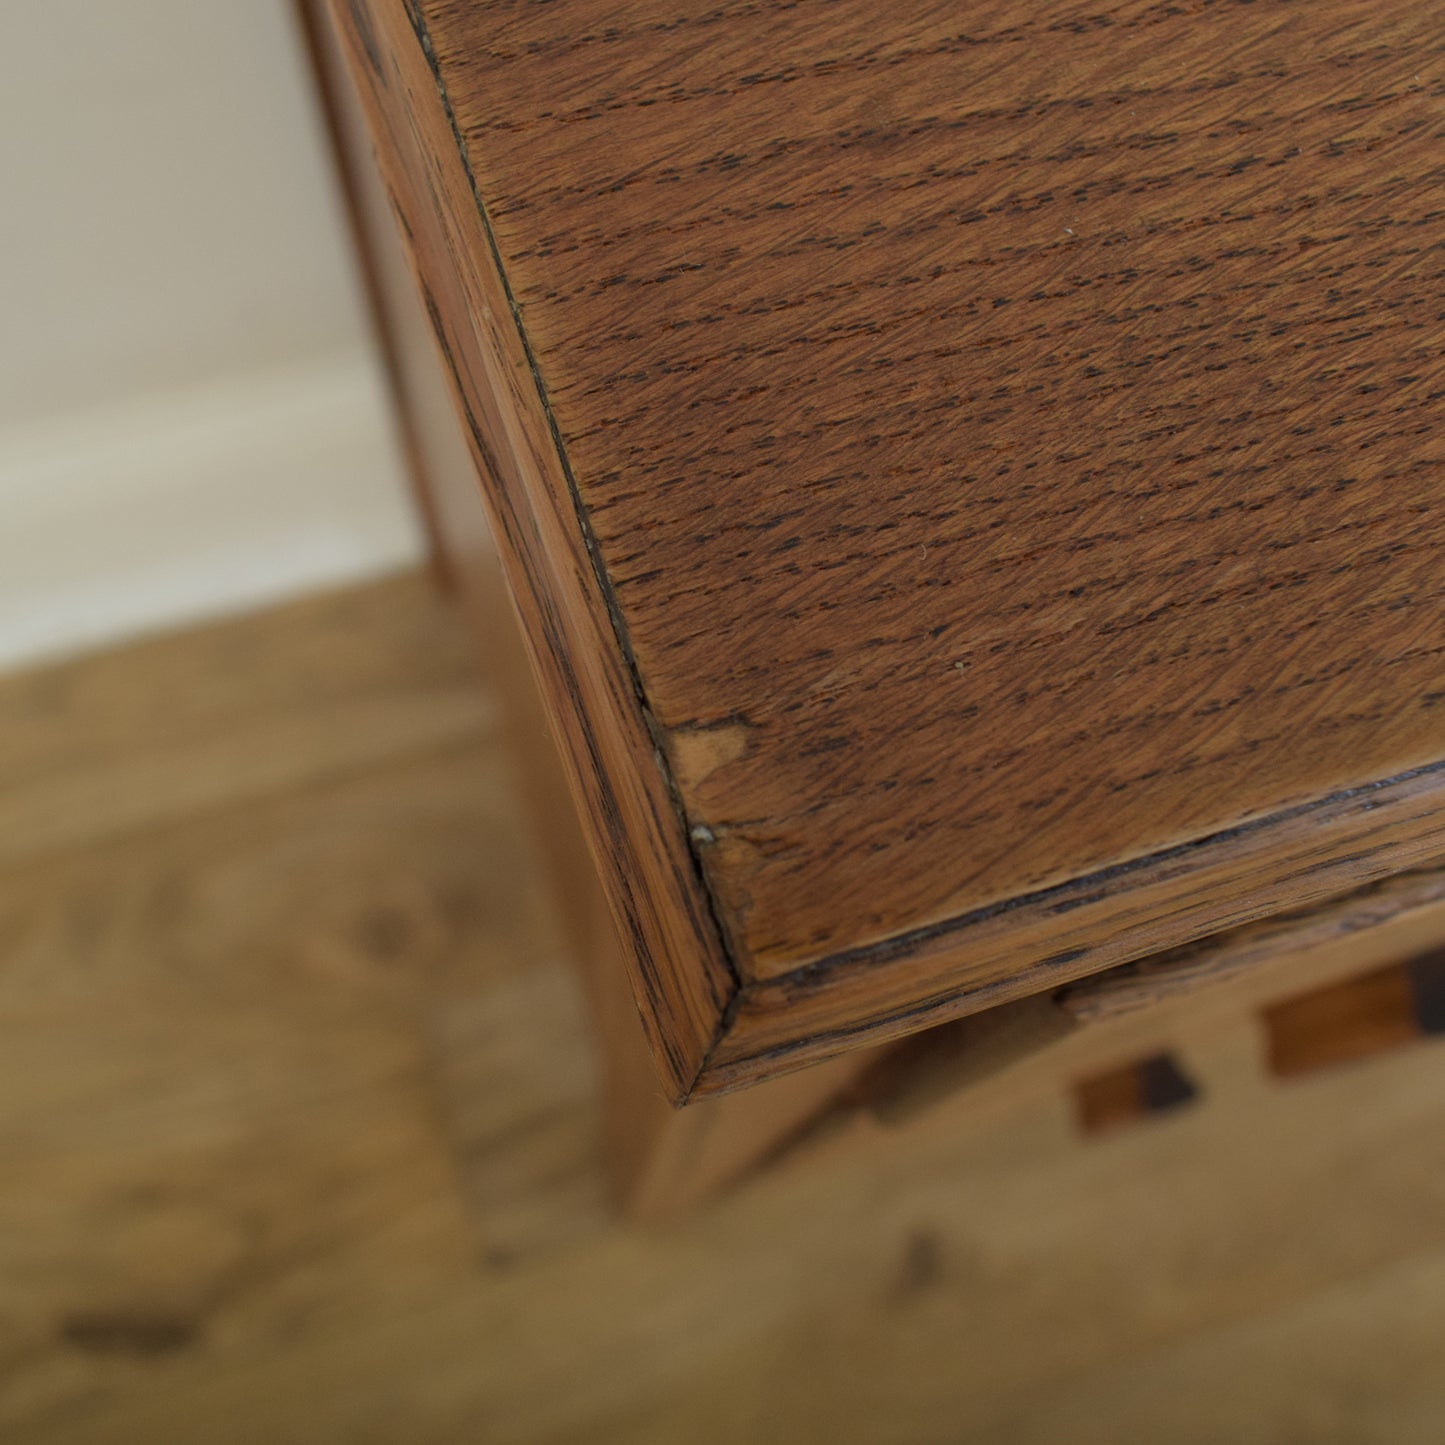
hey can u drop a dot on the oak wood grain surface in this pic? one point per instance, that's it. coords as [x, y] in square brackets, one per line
[1002, 444]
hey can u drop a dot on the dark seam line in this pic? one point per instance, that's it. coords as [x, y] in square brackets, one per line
[981, 994]
[903, 943]
[619, 626]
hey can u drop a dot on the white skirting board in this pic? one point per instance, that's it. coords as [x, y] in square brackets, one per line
[177, 508]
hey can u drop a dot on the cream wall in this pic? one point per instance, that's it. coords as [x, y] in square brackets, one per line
[190, 417]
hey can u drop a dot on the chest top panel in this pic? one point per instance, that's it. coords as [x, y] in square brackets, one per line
[1010, 435]
[1012, 432]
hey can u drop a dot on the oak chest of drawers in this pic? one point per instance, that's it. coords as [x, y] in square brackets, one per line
[967, 479]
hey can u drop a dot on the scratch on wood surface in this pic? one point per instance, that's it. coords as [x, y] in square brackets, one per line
[701, 749]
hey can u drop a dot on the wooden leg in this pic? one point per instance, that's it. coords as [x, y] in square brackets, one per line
[663, 1159]
[380, 264]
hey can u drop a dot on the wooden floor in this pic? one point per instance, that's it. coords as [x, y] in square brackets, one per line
[298, 1143]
